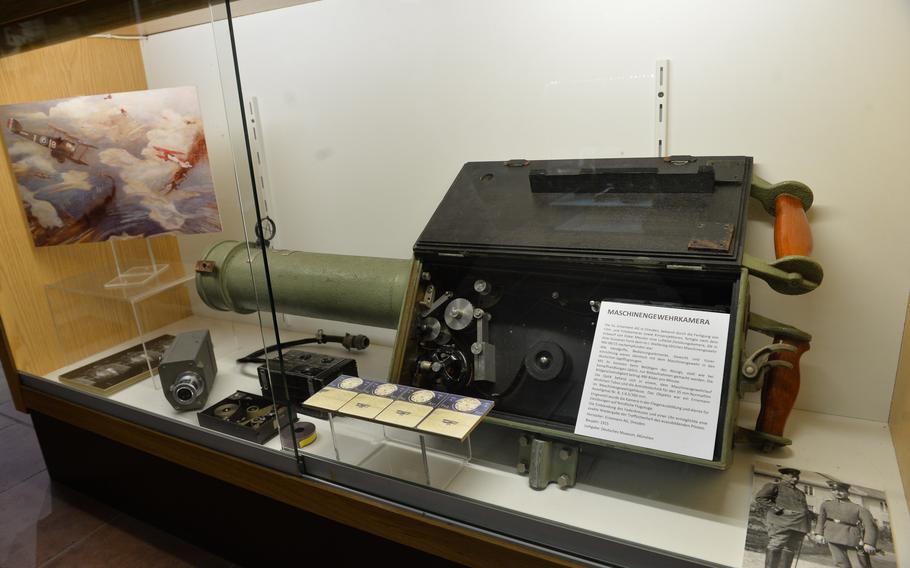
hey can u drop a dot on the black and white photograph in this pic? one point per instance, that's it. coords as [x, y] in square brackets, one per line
[805, 518]
[120, 370]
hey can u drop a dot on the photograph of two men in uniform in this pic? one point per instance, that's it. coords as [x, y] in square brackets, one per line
[802, 518]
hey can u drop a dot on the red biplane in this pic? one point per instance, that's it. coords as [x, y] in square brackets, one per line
[172, 155]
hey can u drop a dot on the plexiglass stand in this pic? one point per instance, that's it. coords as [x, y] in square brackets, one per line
[417, 457]
[90, 316]
[135, 275]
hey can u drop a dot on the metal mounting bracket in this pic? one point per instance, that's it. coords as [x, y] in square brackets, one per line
[547, 462]
[765, 442]
[767, 193]
[776, 329]
[791, 275]
[484, 352]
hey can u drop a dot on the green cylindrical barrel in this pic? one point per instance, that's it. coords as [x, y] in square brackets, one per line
[354, 289]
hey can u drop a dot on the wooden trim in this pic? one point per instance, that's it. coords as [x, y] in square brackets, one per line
[77, 19]
[453, 542]
[10, 371]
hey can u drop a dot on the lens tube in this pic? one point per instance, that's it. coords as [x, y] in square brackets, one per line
[187, 388]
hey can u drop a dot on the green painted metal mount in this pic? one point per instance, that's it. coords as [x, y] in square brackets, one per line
[791, 275]
[776, 329]
[765, 442]
[767, 193]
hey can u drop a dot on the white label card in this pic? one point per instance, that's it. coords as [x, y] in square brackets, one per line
[655, 378]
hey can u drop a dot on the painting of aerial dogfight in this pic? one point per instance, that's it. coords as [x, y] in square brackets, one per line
[93, 168]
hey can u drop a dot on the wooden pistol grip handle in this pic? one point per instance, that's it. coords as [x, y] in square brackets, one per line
[792, 235]
[780, 389]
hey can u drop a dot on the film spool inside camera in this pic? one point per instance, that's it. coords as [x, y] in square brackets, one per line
[545, 360]
[225, 411]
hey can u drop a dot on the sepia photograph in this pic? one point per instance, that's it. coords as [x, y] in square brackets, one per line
[116, 165]
[805, 518]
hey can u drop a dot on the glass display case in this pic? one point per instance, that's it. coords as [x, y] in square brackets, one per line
[476, 260]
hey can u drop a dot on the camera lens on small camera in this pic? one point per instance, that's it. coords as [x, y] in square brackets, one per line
[187, 388]
[185, 394]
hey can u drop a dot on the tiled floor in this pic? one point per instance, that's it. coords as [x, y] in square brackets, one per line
[45, 524]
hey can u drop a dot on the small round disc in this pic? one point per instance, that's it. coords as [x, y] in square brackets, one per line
[459, 314]
[304, 433]
[545, 360]
[351, 383]
[385, 389]
[226, 410]
[422, 396]
[467, 404]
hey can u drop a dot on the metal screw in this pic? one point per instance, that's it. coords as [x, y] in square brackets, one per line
[595, 306]
[565, 454]
[478, 313]
[563, 481]
[425, 276]
[436, 366]
[477, 348]
[482, 287]
[555, 295]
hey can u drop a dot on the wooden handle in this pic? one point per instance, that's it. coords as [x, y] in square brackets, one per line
[792, 235]
[780, 389]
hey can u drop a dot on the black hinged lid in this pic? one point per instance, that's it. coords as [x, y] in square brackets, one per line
[677, 209]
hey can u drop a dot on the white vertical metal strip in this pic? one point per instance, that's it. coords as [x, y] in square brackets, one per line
[261, 171]
[661, 98]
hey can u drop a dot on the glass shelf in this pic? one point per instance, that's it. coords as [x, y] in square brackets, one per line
[93, 284]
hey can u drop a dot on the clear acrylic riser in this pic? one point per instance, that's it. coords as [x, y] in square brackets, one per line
[425, 459]
[91, 317]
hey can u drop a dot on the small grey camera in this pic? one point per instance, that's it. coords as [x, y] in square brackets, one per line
[188, 370]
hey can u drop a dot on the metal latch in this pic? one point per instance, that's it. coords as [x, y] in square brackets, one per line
[756, 366]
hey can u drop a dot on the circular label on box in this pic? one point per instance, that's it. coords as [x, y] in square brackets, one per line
[467, 404]
[385, 389]
[350, 383]
[422, 396]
